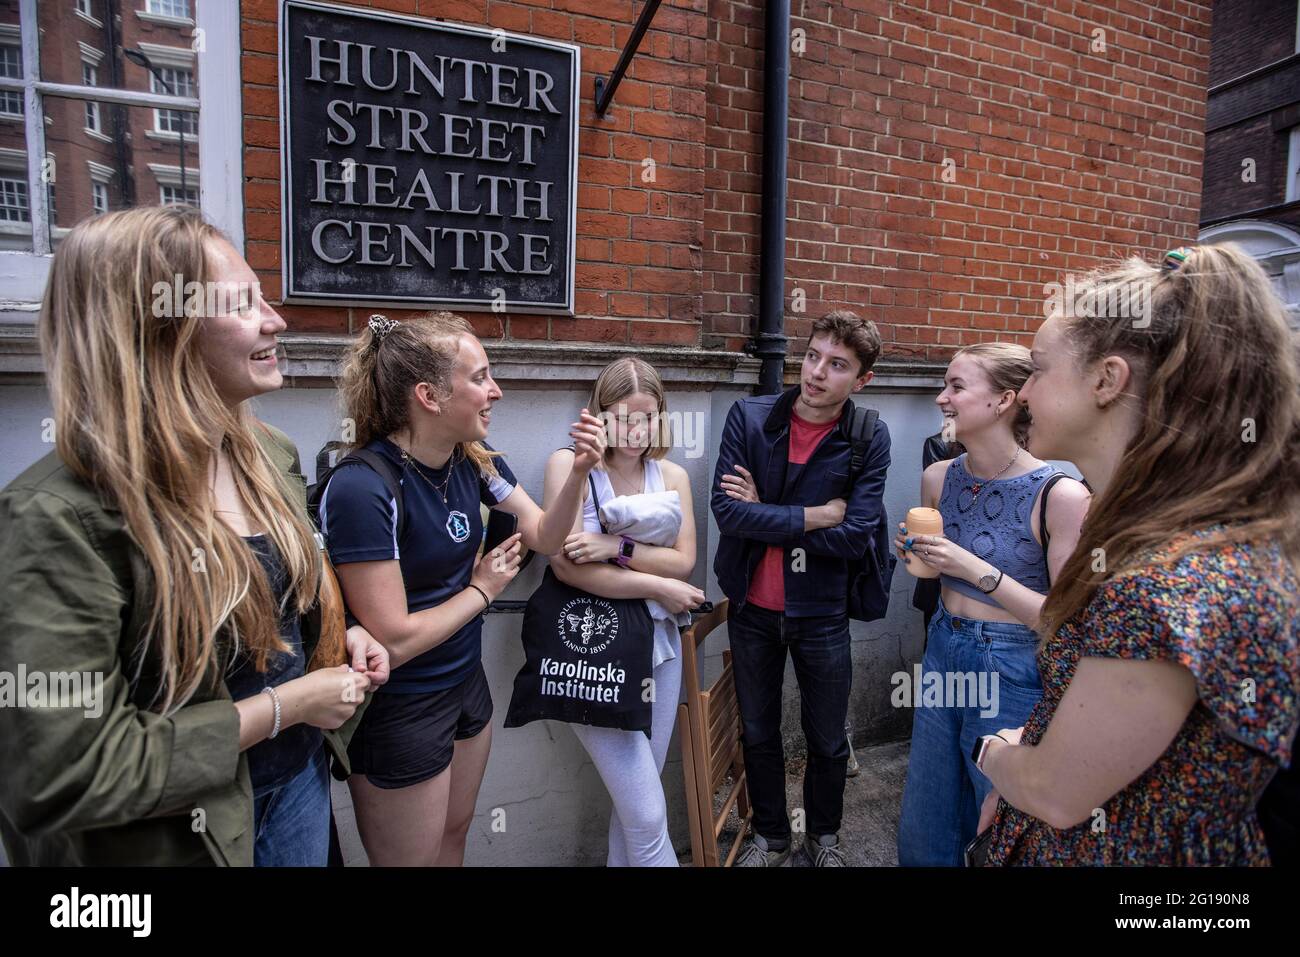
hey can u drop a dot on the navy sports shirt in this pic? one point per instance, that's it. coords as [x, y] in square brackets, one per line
[436, 552]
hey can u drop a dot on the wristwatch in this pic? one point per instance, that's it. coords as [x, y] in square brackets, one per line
[625, 546]
[981, 748]
[989, 582]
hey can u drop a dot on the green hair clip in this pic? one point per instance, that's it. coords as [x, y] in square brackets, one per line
[1175, 258]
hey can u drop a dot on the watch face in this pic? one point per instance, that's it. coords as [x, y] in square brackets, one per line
[987, 583]
[625, 549]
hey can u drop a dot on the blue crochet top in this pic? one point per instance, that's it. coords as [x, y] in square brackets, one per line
[995, 526]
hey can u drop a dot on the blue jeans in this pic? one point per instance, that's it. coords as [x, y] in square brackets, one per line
[292, 822]
[823, 667]
[945, 791]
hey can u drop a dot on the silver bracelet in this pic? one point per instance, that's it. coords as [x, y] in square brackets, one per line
[275, 698]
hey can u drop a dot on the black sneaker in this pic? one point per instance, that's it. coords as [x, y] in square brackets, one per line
[757, 853]
[825, 851]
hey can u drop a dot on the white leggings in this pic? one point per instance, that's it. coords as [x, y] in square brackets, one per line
[630, 765]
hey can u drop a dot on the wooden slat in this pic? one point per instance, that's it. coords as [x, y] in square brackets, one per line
[720, 822]
[695, 816]
[710, 736]
[722, 716]
[720, 766]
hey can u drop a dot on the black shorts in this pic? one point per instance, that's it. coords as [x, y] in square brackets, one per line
[404, 739]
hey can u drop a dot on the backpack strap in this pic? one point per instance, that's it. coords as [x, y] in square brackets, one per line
[862, 427]
[595, 499]
[377, 463]
[392, 479]
[1043, 507]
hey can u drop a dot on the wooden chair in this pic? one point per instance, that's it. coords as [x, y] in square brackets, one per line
[710, 736]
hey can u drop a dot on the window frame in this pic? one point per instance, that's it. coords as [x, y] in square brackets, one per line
[164, 187]
[151, 6]
[94, 122]
[1293, 166]
[159, 130]
[26, 195]
[219, 107]
[8, 43]
[95, 187]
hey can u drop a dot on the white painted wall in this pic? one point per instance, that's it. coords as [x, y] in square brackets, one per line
[556, 807]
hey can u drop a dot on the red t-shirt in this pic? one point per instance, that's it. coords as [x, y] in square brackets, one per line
[767, 588]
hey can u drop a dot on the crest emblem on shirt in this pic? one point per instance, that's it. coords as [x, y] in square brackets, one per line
[458, 526]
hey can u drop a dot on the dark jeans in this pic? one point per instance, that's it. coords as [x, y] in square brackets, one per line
[819, 648]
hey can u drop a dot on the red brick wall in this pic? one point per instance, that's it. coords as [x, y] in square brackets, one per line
[1062, 156]
[638, 264]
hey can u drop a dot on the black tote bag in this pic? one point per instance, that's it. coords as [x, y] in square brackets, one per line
[587, 659]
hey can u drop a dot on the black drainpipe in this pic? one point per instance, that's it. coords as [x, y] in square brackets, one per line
[770, 342]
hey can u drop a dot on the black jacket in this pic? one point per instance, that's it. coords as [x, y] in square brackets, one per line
[757, 436]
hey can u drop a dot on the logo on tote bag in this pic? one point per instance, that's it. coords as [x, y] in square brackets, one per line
[588, 626]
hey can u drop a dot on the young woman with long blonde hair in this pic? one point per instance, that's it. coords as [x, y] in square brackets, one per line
[164, 549]
[1171, 654]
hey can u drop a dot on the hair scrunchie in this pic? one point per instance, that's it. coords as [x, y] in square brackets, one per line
[381, 326]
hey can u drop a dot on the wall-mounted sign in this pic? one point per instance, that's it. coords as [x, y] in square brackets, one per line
[425, 163]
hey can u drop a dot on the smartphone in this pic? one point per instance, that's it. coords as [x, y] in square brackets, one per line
[977, 851]
[500, 526]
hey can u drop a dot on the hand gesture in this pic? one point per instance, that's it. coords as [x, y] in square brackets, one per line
[679, 596]
[589, 441]
[942, 554]
[583, 547]
[496, 569]
[367, 655]
[324, 698]
[740, 486]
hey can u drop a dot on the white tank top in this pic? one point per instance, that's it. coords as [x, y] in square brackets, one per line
[667, 639]
[654, 482]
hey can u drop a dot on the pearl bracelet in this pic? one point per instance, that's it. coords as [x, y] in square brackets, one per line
[275, 698]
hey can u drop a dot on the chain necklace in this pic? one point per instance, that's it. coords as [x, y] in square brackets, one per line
[978, 486]
[410, 461]
[610, 473]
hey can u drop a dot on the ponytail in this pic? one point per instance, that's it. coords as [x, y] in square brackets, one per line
[387, 360]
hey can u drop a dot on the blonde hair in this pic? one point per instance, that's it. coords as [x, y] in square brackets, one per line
[135, 413]
[1007, 366]
[379, 372]
[625, 377]
[1213, 356]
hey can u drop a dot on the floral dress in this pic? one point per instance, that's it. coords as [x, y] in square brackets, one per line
[1230, 614]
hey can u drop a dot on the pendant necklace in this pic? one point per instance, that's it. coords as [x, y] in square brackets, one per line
[978, 486]
[409, 460]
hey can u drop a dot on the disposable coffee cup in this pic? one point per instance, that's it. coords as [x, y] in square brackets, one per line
[922, 521]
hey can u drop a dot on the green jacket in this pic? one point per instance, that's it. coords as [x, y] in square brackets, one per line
[123, 786]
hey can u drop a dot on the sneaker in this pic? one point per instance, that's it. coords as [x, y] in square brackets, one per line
[825, 851]
[757, 853]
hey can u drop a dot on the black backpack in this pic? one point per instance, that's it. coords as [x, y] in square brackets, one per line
[871, 575]
[387, 471]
